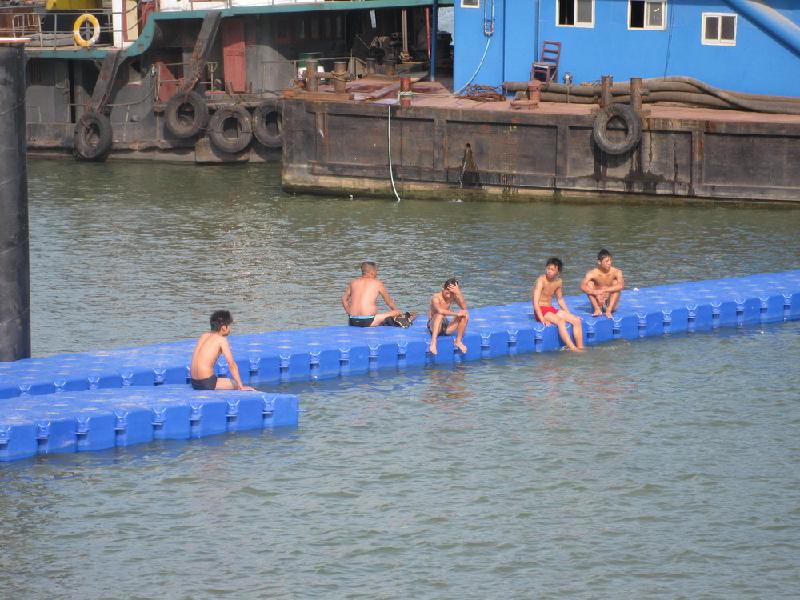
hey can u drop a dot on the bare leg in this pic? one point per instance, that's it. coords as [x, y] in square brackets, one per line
[223, 383]
[435, 326]
[613, 300]
[381, 317]
[577, 328]
[598, 310]
[559, 322]
[458, 325]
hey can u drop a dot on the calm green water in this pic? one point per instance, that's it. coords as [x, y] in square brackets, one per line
[659, 468]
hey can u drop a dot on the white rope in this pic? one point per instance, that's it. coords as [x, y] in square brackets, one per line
[391, 175]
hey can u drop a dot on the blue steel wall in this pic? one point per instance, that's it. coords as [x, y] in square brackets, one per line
[756, 64]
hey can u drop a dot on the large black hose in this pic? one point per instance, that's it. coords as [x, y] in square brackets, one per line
[685, 90]
[15, 321]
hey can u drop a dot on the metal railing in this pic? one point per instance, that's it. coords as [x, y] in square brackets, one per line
[53, 30]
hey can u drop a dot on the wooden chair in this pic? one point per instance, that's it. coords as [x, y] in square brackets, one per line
[546, 68]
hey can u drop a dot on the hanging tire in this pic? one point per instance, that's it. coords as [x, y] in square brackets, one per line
[92, 139]
[633, 125]
[268, 123]
[186, 114]
[220, 128]
[77, 36]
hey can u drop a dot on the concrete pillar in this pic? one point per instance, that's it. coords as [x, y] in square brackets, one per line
[15, 296]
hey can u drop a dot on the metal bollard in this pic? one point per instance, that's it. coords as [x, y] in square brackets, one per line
[340, 76]
[312, 83]
[636, 94]
[405, 92]
[606, 98]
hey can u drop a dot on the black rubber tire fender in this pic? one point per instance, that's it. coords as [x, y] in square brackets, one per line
[177, 124]
[632, 123]
[216, 128]
[93, 136]
[268, 123]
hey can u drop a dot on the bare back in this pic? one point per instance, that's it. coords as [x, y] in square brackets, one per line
[364, 292]
[210, 345]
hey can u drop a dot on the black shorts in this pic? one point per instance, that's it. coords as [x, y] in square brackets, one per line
[209, 383]
[442, 327]
[361, 321]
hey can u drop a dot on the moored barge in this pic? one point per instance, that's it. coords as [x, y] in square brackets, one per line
[196, 81]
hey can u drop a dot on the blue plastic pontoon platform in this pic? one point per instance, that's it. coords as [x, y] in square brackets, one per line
[102, 419]
[328, 352]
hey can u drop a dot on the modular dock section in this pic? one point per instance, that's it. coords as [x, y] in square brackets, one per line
[88, 384]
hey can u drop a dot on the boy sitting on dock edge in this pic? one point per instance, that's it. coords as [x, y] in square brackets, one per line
[438, 324]
[603, 285]
[547, 286]
[210, 345]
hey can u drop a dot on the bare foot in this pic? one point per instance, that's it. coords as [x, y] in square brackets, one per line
[578, 349]
[461, 346]
[597, 313]
[432, 349]
[609, 315]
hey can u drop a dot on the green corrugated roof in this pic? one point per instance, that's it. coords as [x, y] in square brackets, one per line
[146, 36]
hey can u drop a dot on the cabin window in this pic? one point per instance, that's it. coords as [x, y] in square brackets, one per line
[470, 3]
[719, 29]
[576, 13]
[646, 14]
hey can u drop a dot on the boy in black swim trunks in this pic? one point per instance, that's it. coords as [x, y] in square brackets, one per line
[361, 295]
[438, 324]
[210, 345]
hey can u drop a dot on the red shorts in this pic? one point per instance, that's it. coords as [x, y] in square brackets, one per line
[545, 310]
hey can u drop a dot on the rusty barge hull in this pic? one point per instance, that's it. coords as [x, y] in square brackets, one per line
[455, 148]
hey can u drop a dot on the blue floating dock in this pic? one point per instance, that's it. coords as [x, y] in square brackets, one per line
[82, 383]
[105, 418]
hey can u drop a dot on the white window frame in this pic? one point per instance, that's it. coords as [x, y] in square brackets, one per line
[647, 27]
[575, 7]
[465, 5]
[719, 41]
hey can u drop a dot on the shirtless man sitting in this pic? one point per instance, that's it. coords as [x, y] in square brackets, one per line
[438, 324]
[210, 345]
[361, 295]
[603, 285]
[547, 286]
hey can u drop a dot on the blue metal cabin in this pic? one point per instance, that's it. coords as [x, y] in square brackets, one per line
[740, 45]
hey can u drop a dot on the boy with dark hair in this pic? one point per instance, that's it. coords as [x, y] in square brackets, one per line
[438, 323]
[542, 292]
[603, 284]
[210, 345]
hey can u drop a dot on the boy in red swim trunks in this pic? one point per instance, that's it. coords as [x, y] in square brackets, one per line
[542, 292]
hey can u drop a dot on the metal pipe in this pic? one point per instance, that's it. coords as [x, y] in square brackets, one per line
[434, 36]
[771, 21]
[404, 30]
[15, 277]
